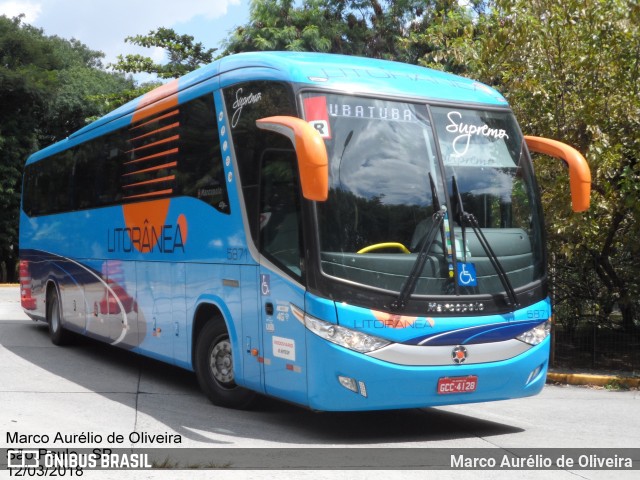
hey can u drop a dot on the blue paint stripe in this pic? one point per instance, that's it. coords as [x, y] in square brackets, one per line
[480, 334]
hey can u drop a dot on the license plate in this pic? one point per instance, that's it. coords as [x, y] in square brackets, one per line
[448, 385]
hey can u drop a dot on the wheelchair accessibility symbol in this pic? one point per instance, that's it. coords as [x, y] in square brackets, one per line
[467, 275]
[265, 284]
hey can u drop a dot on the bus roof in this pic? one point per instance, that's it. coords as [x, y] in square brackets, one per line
[365, 75]
[354, 75]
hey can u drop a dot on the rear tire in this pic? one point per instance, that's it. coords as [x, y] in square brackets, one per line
[57, 333]
[214, 368]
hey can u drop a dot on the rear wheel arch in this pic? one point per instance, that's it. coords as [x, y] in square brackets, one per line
[205, 312]
[212, 358]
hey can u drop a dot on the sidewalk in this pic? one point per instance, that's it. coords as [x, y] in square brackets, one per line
[599, 380]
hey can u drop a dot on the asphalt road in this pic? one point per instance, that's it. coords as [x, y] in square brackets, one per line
[92, 389]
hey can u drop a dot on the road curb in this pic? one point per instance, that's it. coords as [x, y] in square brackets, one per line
[597, 380]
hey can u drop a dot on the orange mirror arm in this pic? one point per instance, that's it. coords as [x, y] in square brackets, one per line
[313, 163]
[579, 173]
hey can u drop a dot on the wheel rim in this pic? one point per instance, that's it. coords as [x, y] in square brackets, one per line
[221, 363]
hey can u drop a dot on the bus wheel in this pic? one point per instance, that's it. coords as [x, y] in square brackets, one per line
[57, 333]
[214, 368]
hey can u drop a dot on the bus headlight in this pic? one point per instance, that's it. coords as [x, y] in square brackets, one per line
[537, 334]
[345, 337]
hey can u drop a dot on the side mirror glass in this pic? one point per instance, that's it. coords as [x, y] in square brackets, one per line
[579, 173]
[311, 151]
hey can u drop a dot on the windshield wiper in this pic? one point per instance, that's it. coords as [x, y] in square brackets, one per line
[465, 217]
[410, 284]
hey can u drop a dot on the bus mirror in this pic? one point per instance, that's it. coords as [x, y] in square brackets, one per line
[311, 151]
[579, 173]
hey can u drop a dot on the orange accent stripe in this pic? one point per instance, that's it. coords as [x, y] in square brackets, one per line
[151, 194]
[168, 127]
[172, 113]
[148, 182]
[152, 212]
[154, 144]
[152, 169]
[166, 153]
[156, 101]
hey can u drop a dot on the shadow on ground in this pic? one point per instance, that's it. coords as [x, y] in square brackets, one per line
[171, 396]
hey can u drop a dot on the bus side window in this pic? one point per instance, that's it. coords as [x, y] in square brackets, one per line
[280, 236]
[263, 99]
[200, 168]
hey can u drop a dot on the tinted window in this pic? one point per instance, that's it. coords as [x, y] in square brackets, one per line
[245, 104]
[280, 234]
[172, 153]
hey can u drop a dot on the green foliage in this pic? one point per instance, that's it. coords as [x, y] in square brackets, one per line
[184, 55]
[370, 28]
[280, 25]
[444, 37]
[106, 102]
[46, 87]
[570, 71]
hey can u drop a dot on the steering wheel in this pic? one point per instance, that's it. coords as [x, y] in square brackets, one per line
[379, 246]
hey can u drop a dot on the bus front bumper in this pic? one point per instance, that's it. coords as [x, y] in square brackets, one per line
[343, 380]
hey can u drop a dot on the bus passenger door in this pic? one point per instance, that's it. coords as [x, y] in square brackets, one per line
[251, 338]
[280, 277]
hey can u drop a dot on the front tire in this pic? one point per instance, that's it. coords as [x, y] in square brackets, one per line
[214, 368]
[57, 333]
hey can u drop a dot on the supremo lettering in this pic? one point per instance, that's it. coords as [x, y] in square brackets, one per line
[461, 143]
[148, 239]
[241, 102]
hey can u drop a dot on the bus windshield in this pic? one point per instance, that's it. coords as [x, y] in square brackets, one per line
[394, 165]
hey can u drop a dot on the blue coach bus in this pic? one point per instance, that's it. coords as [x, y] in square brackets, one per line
[338, 232]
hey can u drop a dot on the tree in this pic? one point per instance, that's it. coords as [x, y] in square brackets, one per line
[571, 71]
[369, 28]
[443, 37]
[45, 89]
[184, 54]
[21, 102]
[280, 25]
